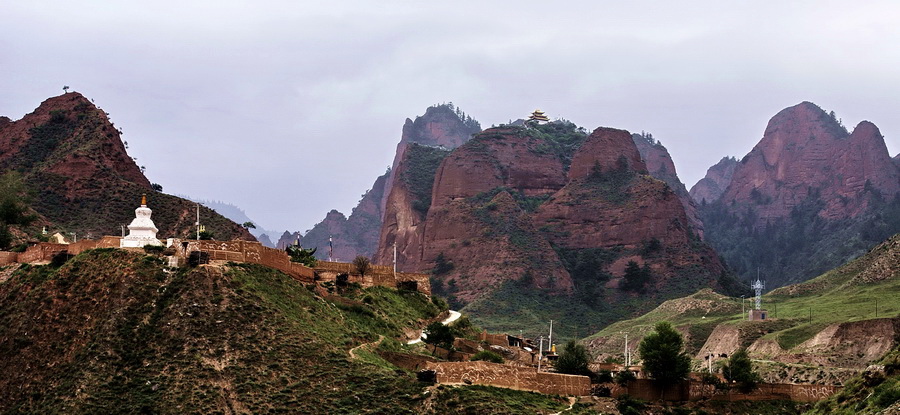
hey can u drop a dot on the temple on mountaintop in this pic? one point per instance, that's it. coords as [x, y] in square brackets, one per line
[141, 231]
[538, 116]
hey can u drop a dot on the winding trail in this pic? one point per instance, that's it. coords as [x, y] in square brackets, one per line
[572, 401]
[375, 343]
[454, 315]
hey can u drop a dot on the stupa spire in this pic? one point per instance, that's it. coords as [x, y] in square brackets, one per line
[144, 199]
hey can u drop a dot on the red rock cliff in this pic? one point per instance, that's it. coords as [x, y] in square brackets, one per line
[502, 201]
[710, 188]
[660, 165]
[804, 151]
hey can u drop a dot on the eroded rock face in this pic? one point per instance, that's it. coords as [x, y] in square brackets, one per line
[660, 165]
[808, 189]
[505, 201]
[94, 145]
[607, 149]
[710, 188]
[441, 127]
[805, 152]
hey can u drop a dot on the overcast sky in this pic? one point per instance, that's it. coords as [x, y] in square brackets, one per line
[289, 109]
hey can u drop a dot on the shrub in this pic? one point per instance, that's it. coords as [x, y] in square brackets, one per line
[573, 360]
[154, 249]
[739, 369]
[439, 335]
[487, 356]
[624, 377]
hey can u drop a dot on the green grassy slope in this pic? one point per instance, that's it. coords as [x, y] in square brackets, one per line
[869, 393]
[115, 332]
[847, 293]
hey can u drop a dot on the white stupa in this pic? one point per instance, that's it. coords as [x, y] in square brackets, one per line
[141, 231]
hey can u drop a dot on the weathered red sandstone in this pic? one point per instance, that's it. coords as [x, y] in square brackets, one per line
[359, 234]
[805, 152]
[710, 188]
[97, 154]
[660, 165]
[604, 148]
[493, 240]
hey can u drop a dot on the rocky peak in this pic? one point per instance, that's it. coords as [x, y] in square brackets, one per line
[606, 148]
[718, 177]
[806, 152]
[441, 125]
[74, 159]
[68, 135]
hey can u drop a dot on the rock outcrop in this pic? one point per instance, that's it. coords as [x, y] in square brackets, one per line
[809, 187]
[710, 188]
[353, 236]
[440, 129]
[805, 152]
[532, 205]
[660, 165]
[74, 159]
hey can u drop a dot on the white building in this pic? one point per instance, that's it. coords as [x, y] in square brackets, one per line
[141, 231]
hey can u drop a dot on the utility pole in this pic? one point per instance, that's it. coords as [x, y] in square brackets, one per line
[627, 353]
[395, 259]
[541, 354]
[550, 341]
[742, 305]
[198, 221]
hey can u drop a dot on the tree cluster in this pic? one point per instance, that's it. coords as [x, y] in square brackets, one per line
[636, 277]
[13, 210]
[662, 355]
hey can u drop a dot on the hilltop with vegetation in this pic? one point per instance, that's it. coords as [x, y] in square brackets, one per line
[79, 179]
[827, 321]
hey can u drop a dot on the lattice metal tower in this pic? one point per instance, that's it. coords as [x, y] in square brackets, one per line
[758, 286]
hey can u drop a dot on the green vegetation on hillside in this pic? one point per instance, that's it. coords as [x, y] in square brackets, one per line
[421, 164]
[798, 312]
[113, 331]
[868, 393]
[560, 138]
[478, 399]
[781, 250]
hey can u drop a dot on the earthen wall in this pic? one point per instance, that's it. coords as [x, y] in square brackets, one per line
[512, 377]
[42, 252]
[7, 258]
[694, 390]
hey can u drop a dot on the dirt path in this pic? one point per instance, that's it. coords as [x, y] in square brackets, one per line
[454, 315]
[375, 343]
[572, 401]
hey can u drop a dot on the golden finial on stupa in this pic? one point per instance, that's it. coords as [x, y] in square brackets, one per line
[144, 199]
